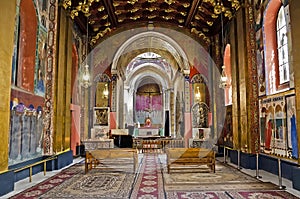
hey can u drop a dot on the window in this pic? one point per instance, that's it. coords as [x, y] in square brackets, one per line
[282, 43]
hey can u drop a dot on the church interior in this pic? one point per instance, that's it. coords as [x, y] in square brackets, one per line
[191, 91]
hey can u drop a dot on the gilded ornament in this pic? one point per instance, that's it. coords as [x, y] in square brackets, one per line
[67, 3]
[101, 8]
[186, 5]
[210, 23]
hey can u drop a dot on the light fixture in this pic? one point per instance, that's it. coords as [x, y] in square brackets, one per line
[198, 95]
[223, 78]
[105, 91]
[86, 77]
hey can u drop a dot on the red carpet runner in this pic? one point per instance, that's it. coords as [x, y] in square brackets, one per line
[149, 183]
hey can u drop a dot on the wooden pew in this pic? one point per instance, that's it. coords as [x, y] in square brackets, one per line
[177, 158]
[114, 158]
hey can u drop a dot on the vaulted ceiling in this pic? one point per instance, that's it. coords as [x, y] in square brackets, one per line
[202, 18]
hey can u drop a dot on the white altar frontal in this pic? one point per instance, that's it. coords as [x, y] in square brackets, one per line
[146, 132]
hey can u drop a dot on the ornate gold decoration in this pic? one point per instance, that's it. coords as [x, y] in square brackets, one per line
[228, 13]
[83, 7]
[169, 10]
[151, 9]
[186, 5]
[118, 12]
[121, 20]
[132, 2]
[101, 8]
[115, 4]
[183, 13]
[167, 17]
[151, 1]
[133, 10]
[100, 34]
[180, 20]
[200, 34]
[170, 1]
[235, 4]
[210, 23]
[66, 4]
[200, 9]
[198, 17]
[104, 17]
[135, 17]
[151, 16]
[214, 16]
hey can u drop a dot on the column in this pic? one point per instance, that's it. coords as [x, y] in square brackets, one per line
[187, 108]
[295, 61]
[8, 8]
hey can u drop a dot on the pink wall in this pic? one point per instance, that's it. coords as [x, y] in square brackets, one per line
[75, 128]
[187, 128]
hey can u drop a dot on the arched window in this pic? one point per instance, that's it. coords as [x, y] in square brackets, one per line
[276, 34]
[282, 43]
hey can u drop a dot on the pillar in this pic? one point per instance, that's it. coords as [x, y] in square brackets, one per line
[295, 61]
[8, 9]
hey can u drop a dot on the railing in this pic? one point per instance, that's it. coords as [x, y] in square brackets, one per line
[35, 164]
[158, 145]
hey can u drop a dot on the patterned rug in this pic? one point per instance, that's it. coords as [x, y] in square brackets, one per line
[153, 182]
[226, 183]
[73, 183]
[149, 182]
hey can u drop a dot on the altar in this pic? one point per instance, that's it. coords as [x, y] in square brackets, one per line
[147, 131]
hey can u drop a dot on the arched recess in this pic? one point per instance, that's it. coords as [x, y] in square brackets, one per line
[152, 41]
[270, 41]
[227, 64]
[27, 46]
[137, 78]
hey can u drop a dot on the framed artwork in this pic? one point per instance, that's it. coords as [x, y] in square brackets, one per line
[101, 116]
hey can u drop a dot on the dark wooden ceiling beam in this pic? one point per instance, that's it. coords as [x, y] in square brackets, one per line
[192, 12]
[110, 10]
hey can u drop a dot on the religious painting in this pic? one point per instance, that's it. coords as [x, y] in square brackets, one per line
[291, 127]
[39, 81]
[273, 125]
[26, 132]
[260, 63]
[200, 115]
[101, 116]
[227, 135]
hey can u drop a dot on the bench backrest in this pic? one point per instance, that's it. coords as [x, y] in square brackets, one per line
[175, 153]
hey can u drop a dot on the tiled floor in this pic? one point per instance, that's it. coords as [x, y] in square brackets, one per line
[265, 176]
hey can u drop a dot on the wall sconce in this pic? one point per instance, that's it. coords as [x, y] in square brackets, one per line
[105, 91]
[223, 79]
[198, 95]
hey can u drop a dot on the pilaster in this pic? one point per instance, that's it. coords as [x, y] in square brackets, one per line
[294, 6]
[8, 9]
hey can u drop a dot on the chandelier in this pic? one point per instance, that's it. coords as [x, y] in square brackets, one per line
[86, 77]
[223, 78]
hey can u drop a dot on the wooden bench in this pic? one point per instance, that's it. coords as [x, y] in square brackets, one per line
[113, 158]
[178, 158]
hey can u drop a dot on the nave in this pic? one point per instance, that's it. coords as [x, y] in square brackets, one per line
[152, 181]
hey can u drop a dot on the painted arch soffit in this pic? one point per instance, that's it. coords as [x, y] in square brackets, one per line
[150, 42]
[151, 71]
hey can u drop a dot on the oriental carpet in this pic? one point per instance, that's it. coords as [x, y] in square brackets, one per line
[152, 181]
